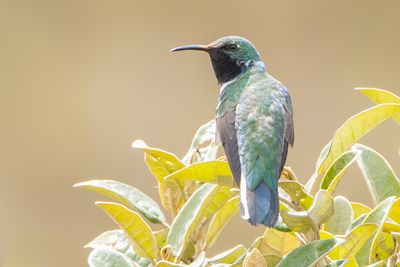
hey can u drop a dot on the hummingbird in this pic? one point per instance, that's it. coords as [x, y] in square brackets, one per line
[254, 119]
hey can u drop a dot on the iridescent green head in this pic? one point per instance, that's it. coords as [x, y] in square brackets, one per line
[230, 56]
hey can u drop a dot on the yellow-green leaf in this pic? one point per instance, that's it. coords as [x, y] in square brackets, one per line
[127, 195]
[161, 237]
[378, 215]
[354, 241]
[342, 217]
[380, 96]
[298, 221]
[309, 254]
[230, 256]
[274, 242]
[379, 175]
[350, 263]
[215, 172]
[135, 228]
[355, 128]
[359, 209]
[385, 246]
[297, 193]
[255, 259]
[106, 257]
[322, 209]
[336, 171]
[220, 219]
[164, 263]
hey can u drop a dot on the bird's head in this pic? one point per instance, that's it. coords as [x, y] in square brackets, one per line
[229, 55]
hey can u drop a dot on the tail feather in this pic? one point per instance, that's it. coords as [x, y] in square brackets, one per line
[260, 206]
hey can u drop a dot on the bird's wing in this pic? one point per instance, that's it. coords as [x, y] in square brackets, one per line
[263, 133]
[289, 123]
[227, 134]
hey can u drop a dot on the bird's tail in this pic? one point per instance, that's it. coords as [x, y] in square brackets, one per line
[260, 206]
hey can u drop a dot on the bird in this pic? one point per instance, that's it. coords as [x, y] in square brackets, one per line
[254, 121]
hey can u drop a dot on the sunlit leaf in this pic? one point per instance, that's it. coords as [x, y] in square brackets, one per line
[161, 237]
[220, 219]
[357, 222]
[377, 216]
[127, 195]
[380, 177]
[107, 257]
[322, 209]
[298, 221]
[355, 128]
[162, 163]
[359, 209]
[201, 204]
[255, 259]
[385, 246]
[277, 243]
[350, 263]
[342, 217]
[378, 264]
[216, 172]
[135, 228]
[380, 96]
[309, 254]
[336, 171]
[230, 256]
[297, 193]
[164, 263]
[336, 263]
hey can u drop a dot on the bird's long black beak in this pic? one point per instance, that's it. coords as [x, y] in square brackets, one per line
[191, 47]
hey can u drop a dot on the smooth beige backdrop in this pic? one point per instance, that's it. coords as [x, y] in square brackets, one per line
[81, 79]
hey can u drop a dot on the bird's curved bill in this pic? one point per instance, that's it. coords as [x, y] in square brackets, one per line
[191, 47]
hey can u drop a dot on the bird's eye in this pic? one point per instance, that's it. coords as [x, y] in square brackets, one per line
[232, 47]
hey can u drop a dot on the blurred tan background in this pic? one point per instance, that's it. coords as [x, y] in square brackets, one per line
[80, 80]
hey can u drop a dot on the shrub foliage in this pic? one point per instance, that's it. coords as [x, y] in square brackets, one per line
[316, 227]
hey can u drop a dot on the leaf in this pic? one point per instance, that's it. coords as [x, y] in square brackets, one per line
[380, 177]
[205, 134]
[106, 257]
[164, 263]
[202, 203]
[309, 254]
[297, 193]
[322, 208]
[161, 237]
[277, 243]
[335, 263]
[314, 179]
[377, 216]
[354, 241]
[355, 128]
[114, 239]
[135, 228]
[342, 217]
[350, 263]
[336, 171]
[161, 164]
[127, 195]
[385, 246]
[380, 96]
[359, 209]
[255, 259]
[230, 256]
[357, 222]
[297, 221]
[215, 172]
[220, 219]
[378, 264]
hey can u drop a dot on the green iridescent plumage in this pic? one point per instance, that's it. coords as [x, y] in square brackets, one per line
[255, 124]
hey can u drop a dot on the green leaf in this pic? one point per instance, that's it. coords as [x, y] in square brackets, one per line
[254, 259]
[297, 193]
[355, 128]
[135, 228]
[220, 219]
[162, 163]
[359, 209]
[161, 237]
[322, 208]
[164, 263]
[309, 254]
[297, 221]
[274, 242]
[380, 177]
[203, 146]
[357, 222]
[380, 96]
[342, 217]
[377, 216]
[127, 195]
[106, 257]
[385, 246]
[230, 256]
[335, 263]
[114, 239]
[215, 172]
[378, 264]
[354, 241]
[337, 169]
[203, 202]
